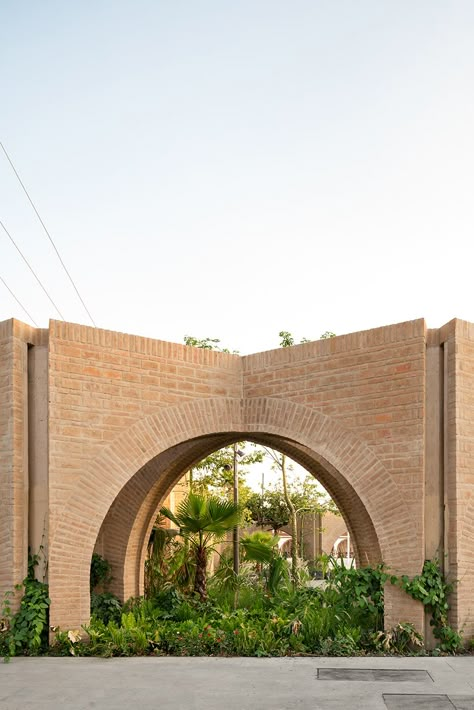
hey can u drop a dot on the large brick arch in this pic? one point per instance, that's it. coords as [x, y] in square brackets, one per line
[127, 526]
[147, 458]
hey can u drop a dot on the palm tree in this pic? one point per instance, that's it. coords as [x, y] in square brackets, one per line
[167, 564]
[259, 547]
[203, 521]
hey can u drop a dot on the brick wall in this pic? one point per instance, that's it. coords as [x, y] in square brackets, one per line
[371, 382]
[102, 383]
[14, 340]
[459, 341]
[10, 542]
[333, 528]
[128, 415]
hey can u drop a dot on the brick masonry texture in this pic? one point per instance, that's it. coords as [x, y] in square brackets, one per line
[128, 415]
[14, 337]
[460, 472]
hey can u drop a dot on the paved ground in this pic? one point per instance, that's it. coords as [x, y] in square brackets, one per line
[237, 683]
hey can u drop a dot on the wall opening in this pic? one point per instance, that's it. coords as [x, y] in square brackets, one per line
[125, 532]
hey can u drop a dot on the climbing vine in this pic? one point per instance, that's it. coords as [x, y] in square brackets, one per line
[26, 632]
[431, 588]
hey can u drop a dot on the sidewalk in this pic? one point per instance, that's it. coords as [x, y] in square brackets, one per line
[237, 683]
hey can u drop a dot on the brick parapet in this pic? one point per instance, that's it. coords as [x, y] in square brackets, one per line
[108, 340]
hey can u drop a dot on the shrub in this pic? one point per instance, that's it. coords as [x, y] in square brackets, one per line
[106, 607]
[101, 572]
[26, 632]
[401, 639]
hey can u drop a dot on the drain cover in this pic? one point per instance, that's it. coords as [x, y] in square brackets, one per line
[385, 675]
[416, 702]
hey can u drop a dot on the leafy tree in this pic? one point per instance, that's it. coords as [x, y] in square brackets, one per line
[207, 344]
[308, 498]
[269, 509]
[215, 474]
[202, 522]
[287, 339]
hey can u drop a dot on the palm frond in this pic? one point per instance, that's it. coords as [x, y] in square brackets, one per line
[259, 547]
[167, 513]
[197, 513]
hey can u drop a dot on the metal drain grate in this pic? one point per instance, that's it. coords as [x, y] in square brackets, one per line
[417, 702]
[384, 675]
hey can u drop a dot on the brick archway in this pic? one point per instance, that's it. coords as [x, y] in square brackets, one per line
[147, 458]
[95, 421]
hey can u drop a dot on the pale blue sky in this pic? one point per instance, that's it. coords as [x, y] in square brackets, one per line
[231, 169]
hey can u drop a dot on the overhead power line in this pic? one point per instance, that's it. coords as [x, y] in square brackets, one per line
[47, 234]
[30, 267]
[19, 302]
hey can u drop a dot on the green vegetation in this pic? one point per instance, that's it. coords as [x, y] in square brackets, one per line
[202, 522]
[214, 475]
[270, 618]
[259, 612]
[26, 632]
[101, 572]
[266, 619]
[103, 604]
[167, 565]
[431, 588]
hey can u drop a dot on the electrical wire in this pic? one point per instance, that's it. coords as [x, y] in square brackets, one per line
[47, 234]
[19, 302]
[30, 267]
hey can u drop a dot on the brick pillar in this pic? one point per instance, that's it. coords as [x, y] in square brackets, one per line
[13, 458]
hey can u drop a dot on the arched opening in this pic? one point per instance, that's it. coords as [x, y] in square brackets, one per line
[121, 490]
[126, 529]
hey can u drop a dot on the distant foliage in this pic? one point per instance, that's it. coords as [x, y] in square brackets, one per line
[101, 572]
[207, 344]
[106, 607]
[287, 340]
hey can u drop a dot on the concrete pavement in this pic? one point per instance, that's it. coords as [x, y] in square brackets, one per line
[237, 683]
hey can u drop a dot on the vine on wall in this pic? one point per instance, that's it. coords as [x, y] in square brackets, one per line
[26, 632]
[431, 589]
